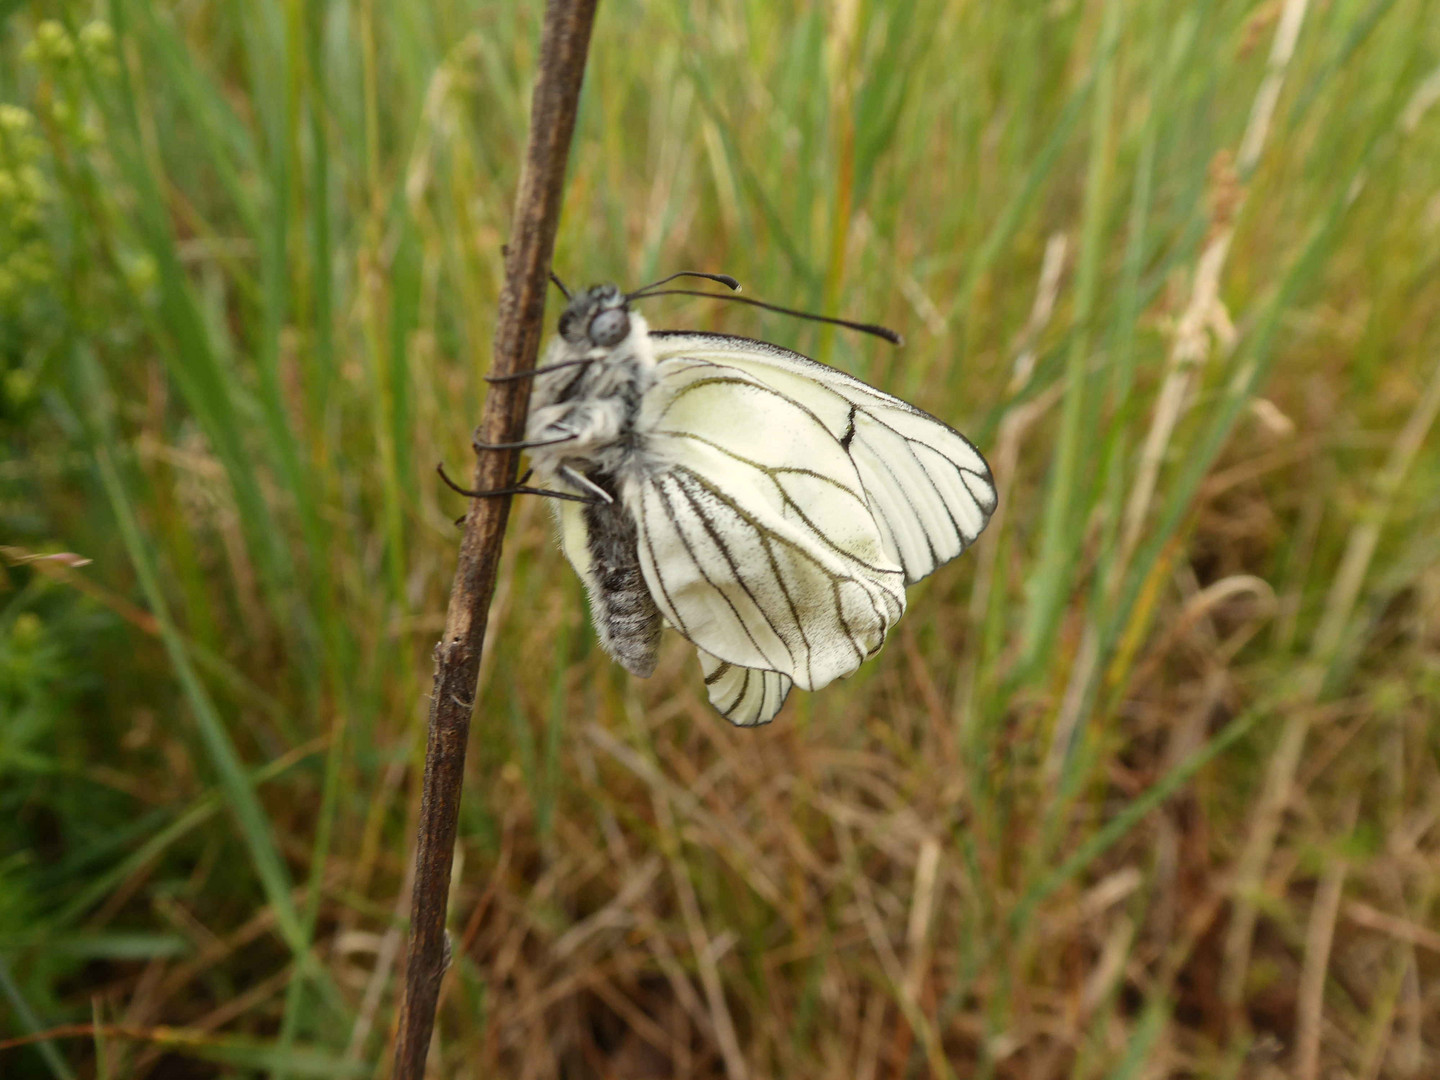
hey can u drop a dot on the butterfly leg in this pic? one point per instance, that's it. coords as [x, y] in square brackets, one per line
[518, 489]
[582, 481]
[516, 376]
[476, 442]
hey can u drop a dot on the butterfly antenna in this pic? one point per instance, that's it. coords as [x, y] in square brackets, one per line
[864, 328]
[724, 279]
[560, 285]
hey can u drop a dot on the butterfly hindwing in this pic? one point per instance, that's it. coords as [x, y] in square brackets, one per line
[928, 488]
[746, 697]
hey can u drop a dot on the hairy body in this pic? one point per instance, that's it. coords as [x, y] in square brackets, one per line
[587, 413]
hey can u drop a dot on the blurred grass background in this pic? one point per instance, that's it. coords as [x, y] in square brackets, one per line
[1145, 785]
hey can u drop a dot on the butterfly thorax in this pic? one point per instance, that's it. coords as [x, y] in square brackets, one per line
[587, 410]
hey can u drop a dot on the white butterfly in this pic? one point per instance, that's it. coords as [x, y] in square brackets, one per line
[769, 508]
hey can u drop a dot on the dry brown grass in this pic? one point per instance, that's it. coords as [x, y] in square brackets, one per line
[1154, 794]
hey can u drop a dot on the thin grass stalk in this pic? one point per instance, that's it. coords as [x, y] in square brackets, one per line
[1315, 676]
[565, 41]
[238, 791]
[254, 825]
[1079, 692]
[183, 824]
[777, 230]
[1052, 577]
[1204, 310]
[26, 1020]
[843, 79]
[1010, 218]
[1325, 646]
[190, 354]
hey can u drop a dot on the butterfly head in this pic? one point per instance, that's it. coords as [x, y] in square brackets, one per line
[596, 318]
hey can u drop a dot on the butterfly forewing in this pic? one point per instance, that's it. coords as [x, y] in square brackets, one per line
[754, 531]
[928, 488]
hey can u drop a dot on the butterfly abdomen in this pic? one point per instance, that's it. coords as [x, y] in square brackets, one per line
[625, 616]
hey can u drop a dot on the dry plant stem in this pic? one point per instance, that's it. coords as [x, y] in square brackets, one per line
[1205, 310]
[564, 43]
[1319, 938]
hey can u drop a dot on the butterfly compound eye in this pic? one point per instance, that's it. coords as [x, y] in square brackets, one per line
[609, 327]
[571, 328]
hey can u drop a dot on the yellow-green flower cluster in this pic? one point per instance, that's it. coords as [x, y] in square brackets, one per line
[97, 39]
[25, 261]
[53, 47]
[62, 60]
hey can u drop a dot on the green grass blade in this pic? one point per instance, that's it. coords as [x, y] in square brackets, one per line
[1051, 581]
[239, 794]
[30, 1023]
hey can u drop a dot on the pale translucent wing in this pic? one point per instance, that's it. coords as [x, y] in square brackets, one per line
[744, 696]
[929, 489]
[755, 535]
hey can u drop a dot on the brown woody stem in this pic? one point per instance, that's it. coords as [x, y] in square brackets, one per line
[564, 43]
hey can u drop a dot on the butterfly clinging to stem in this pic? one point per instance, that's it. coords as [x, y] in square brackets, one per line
[769, 508]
